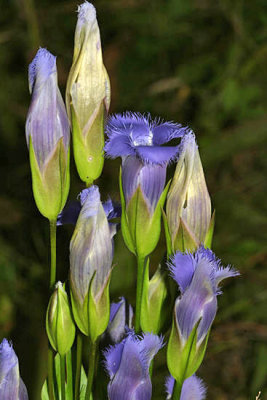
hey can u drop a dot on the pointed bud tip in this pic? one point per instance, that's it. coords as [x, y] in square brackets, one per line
[91, 193]
[43, 64]
[86, 12]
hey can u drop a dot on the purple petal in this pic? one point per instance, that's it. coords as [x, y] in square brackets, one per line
[113, 358]
[167, 131]
[120, 318]
[40, 69]
[182, 267]
[150, 346]
[193, 389]
[157, 154]
[70, 213]
[169, 385]
[112, 209]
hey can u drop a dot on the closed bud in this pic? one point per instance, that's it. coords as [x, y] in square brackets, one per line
[88, 96]
[48, 136]
[91, 254]
[188, 207]
[154, 296]
[60, 326]
[121, 315]
[11, 385]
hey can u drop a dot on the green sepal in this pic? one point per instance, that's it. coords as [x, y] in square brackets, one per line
[184, 239]
[153, 301]
[209, 234]
[68, 387]
[80, 313]
[88, 147]
[60, 327]
[167, 233]
[51, 186]
[124, 220]
[184, 359]
[98, 311]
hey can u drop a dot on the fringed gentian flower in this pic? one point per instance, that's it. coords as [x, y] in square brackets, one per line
[128, 364]
[140, 142]
[11, 385]
[188, 206]
[91, 254]
[120, 320]
[48, 136]
[88, 95]
[193, 388]
[198, 277]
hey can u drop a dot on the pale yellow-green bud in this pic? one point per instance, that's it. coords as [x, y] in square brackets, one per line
[60, 326]
[188, 207]
[88, 96]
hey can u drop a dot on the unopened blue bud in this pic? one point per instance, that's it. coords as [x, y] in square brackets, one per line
[121, 315]
[11, 385]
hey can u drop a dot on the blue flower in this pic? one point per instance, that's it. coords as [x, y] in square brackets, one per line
[128, 364]
[192, 389]
[121, 315]
[11, 385]
[198, 277]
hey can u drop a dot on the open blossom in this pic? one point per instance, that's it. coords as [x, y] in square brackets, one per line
[192, 389]
[127, 364]
[188, 202]
[11, 385]
[48, 136]
[88, 95]
[198, 277]
[91, 254]
[141, 143]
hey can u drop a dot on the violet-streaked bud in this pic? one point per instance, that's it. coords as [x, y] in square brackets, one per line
[60, 326]
[48, 136]
[120, 320]
[193, 388]
[91, 254]
[88, 95]
[11, 385]
[198, 277]
[127, 364]
[188, 206]
[140, 142]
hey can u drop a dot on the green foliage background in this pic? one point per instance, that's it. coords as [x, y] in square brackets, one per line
[198, 62]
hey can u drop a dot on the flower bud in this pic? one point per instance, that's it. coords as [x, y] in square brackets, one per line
[139, 142]
[60, 326]
[154, 296]
[198, 277]
[188, 207]
[11, 385]
[121, 315]
[91, 254]
[88, 96]
[127, 364]
[47, 134]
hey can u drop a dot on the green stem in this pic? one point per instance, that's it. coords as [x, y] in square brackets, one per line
[176, 391]
[50, 369]
[78, 365]
[53, 248]
[62, 377]
[139, 290]
[91, 369]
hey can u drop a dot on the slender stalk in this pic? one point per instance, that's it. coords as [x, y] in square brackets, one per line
[69, 374]
[50, 368]
[176, 391]
[139, 291]
[91, 369]
[62, 377]
[78, 365]
[53, 248]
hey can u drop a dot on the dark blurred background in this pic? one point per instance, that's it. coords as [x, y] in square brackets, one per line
[197, 62]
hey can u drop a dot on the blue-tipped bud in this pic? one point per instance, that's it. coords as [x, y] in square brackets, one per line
[11, 385]
[88, 95]
[60, 326]
[48, 136]
[188, 207]
[198, 277]
[139, 142]
[91, 254]
[193, 388]
[120, 320]
[127, 364]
